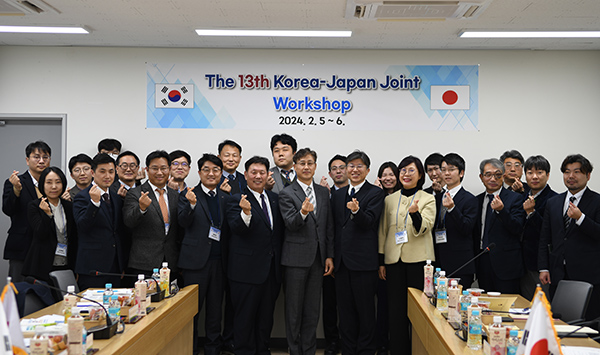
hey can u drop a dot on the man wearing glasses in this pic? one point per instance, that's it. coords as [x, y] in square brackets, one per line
[80, 167]
[128, 166]
[513, 171]
[500, 218]
[180, 169]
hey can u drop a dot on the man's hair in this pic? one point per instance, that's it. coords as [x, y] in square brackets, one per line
[304, 152]
[211, 158]
[257, 160]
[434, 159]
[359, 154]
[284, 139]
[336, 157]
[102, 158]
[410, 160]
[176, 154]
[79, 158]
[157, 154]
[395, 171]
[231, 143]
[37, 145]
[586, 166]
[514, 154]
[495, 163]
[537, 162]
[455, 160]
[44, 174]
[109, 144]
[125, 154]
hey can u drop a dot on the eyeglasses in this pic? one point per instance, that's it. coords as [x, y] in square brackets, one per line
[39, 157]
[215, 170]
[131, 166]
[448, 170]
[336, 168]
[306, 163]
[352, 166]
[85, 169]
[184, 165]
[155, 169]
[497, 176]
[510, 165]
[409, 172]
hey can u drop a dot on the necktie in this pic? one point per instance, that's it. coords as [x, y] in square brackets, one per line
[106, 199]
[211, 193]
[264, 208]
[488, 220]
[352, 192]
[443, 210]
[231, 177]
[286, 174]
[37, 192]
[163, 205]
[311, 197]
[566, 219]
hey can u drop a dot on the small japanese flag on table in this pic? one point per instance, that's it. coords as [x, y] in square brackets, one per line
[539, 337]
[174, 96]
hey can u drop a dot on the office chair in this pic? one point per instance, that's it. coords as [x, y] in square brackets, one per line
[571, 300]
[62, 279]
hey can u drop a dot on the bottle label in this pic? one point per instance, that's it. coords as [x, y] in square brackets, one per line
[511, 350]
[475, 329]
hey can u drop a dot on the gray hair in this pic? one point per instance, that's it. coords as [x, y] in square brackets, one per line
[496, 163]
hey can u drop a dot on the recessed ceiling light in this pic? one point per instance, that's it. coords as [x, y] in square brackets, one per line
[40, 29]
[530, 34]
[273, 33]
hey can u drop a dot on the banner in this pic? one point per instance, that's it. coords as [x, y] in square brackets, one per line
[313, 97]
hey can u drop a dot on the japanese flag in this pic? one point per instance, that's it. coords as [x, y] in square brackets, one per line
[450, 97]
[174, 96]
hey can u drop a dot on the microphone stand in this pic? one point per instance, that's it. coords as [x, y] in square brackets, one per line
[489, 247]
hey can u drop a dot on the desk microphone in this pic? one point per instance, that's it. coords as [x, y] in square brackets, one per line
[155, 297]
[99, 331]
[489, 247]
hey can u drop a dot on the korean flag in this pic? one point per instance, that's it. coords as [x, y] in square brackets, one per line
[450, 97]
[174, 96]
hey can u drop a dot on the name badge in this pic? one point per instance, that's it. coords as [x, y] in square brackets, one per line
[401, 237]
[214, 234]
[440, 236]
[61, 249]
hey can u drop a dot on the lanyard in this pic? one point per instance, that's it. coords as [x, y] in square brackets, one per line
[212, 222]
[398, 210]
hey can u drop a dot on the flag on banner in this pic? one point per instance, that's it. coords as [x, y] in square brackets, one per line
[174, 96]
[539, 336]
[450, 97]
[13, 322]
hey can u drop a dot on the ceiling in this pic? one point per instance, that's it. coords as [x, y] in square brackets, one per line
[171, 23]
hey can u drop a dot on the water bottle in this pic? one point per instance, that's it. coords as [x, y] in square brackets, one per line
[474, 305]
[465, 301]
[497, 337]
[453, 302]
[474, 340]
[39, 343]
[436, 275]
[428, 279]
[114, 309]
[75, 333]
[70, 301]
[140, 294]
[165, 278]
[108, 292]
[442, 293]
[156, 278]
[513, 342]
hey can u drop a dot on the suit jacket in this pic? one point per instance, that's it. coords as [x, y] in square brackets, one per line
[196, 245]
[504, 230]
[40, 257]
[356, 237]
[253, 248]
[532, 228]
[238, 185]
[578, 247]
[302, 237]
[279, 183]
[19, 233]
[99, 233]
[149, 244]
[459, 231]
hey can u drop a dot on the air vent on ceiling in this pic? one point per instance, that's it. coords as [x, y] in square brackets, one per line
[407, 10]
[32, 6]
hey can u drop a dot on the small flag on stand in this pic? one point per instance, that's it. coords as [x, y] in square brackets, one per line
[539, 337]
[10, 326]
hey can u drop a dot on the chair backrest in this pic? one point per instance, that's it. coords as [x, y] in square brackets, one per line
[62, 279]
[571, 299]
[33, 303]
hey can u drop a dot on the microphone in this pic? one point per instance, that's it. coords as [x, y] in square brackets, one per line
[99, 331]
[489, 247]
[157, 296]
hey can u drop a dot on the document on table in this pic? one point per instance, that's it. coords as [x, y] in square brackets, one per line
[580, 350]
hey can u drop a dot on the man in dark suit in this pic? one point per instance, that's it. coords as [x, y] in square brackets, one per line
[254, 258]
[537, 172]
[98, 215]
[513, 171]
[433, 164]
[19, 190]
[569, 244]
[80, 167]
[128, 167]
[232, 181]
[150, 211]
[181, 162]
[456, 213]
[356, 210]
[283, 147]
[307, 252]
[500, 218]
[202, 257]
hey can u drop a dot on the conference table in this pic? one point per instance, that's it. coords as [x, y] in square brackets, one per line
[431, 333]
[168, 329]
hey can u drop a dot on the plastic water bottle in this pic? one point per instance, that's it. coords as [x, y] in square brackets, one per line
[474, 340]
[75, 333]
[70, 301]
[39, 343]
[436, 275]
[513, 342]
[473, 306]
[108, 292]
[156, 278]
[453, 302]
[165, 278]
[497, 337]
[140, 294]
[428, 279]
[465, 302]
[114, 309]
[442, 293]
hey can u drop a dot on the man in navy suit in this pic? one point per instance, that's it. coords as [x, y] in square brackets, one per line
[500, 217]
[19, 190]
[569, 240]
[97, 211]
[513, 171]
[202, 258]
[356, 210]
[537, 173]
[283, 147]
[254, 257]
[433, 164]
[456, 213]
[231, 181]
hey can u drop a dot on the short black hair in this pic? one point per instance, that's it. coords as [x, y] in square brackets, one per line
[79, 158]
[44, 174]
[514, 154]
[109, 144]
[257, 160]
[38, 145]
[586, 166]
[211, 158]
[455, 160]
[231, 143]
[128, 153]
[394, 167]
[359, 154]
[284, 139]
[157, 154]
[176, 154]
[336, 157]
[102, 158]
[304, 152]
[537, 162]
[434, 159]
[412, 159]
